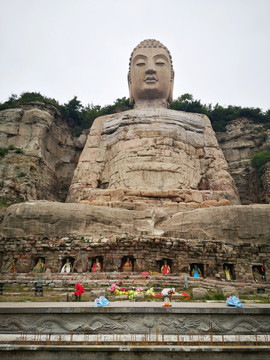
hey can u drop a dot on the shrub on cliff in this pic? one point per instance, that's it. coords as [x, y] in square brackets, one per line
[219, 115]
[81, 117]
[26, 97]
[260, 158]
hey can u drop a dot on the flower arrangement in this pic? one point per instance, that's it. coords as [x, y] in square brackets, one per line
[116, 290]
[113, 288]
[122, 291]
[78, 292]
[187, 297]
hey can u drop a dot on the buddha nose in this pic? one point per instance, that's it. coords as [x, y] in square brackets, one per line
[150, 68]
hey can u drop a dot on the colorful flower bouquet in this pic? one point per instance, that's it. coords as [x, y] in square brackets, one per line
[78, 292]
[117, 290]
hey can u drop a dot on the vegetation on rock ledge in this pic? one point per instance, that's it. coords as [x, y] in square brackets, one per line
[260, 158]
[79, 117]
[5, 150]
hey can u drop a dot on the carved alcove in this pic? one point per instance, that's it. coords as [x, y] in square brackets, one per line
[200, 268]
[71, 260]
[162, 262]
[229, 271]
[36, 261]
[124, 260]
[258, 272]
[93, 261]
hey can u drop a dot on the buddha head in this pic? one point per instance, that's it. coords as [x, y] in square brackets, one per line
[151, 73]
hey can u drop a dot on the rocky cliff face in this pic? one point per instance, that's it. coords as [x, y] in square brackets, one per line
[241, 140]
[40, 154]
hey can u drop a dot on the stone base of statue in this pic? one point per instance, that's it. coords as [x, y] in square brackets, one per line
[214, 237]
[50, 219]
[179, 200]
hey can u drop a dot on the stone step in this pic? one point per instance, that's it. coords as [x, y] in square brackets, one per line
[104, 280]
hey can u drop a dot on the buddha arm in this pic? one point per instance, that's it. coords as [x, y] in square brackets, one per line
[216, 176]
[92, 159]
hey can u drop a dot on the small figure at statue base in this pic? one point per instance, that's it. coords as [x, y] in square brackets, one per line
[67, 267]
[127, 266]
[97, 266]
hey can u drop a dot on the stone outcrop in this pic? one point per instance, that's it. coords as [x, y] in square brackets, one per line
[42, 155]
[241, 140]
[233, 224]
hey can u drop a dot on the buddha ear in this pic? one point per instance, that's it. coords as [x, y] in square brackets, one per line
[170, 97]
[131, 99]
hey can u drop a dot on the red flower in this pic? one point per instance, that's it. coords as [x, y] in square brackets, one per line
[79, 289]
[187, 297]
[122, 289]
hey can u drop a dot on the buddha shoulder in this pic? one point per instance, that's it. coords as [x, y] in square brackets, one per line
[190, 121]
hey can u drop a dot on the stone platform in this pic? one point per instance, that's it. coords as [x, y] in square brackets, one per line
[134, 330]
[134, 318]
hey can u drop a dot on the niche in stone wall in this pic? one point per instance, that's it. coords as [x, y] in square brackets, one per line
[8, 264]
[258, 272]
[196, 270]
[96, 264]
[127, 264]
[229, 271]
[67, 265]
[165, 266]
[39, 265]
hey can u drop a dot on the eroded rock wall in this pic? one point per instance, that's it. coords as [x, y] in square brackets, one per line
[241, 140]
[42, 155]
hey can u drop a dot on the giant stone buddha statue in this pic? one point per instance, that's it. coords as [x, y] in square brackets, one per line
[152, 154]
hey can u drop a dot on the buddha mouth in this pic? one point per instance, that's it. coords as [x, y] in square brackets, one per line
[150, 79]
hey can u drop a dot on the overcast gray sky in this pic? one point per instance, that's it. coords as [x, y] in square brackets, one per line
[63, 48]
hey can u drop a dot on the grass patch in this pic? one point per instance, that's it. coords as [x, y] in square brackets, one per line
[215, 296]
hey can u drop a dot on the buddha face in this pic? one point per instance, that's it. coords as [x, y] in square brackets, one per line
[150, 75]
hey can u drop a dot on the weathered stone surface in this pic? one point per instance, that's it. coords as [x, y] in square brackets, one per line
[44, 218]
[151, 150]
[241, 140]
[264, 194]
[229, 291]
[199, 293]
[97, 293]
[44, 166]
[231, 223]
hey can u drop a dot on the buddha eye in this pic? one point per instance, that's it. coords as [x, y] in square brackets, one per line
[160, 62]
[140, 63]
